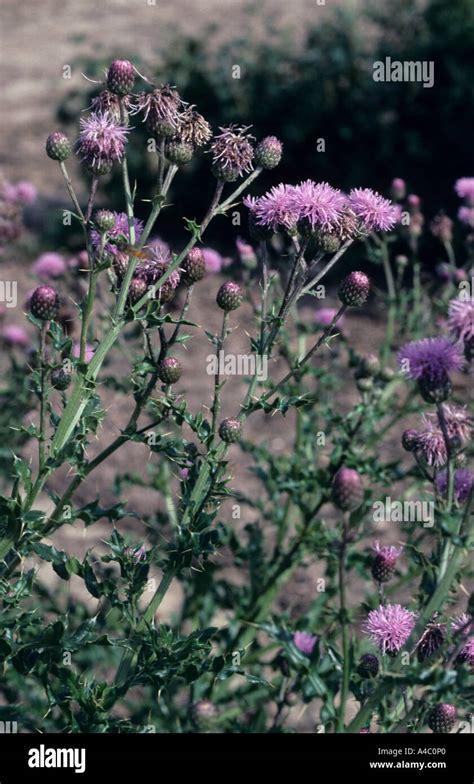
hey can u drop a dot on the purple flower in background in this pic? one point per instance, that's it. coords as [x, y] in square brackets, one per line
[390, 627]
[464, 188]
[89, 353]
[319, 203]
[50, 265]
[277, 208]
[213, 260]
[432, 445]
[373, 211]
[101, 140]
[466, 215]
[463, 484]
[398, 188]
[14, 336]
[305, 642]
[324, 316]
[461, 319]
[459, 423]
[22, 192]
[433, 357]
[120, 229]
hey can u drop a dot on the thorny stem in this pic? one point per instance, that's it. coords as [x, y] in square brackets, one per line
[446, 554]
[216, 405]
[392, 301]
[42, 430]
[344, 626]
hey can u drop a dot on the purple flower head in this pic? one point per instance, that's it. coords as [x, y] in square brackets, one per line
[213, 260]
[277, 208]
[388, 552]
[50, 265]
[305, 642]
[461, 319]
[463, 484]
[319, 203]
[101, 140]
[119, 230]
[430, 357]
[246, 252]
[22, 192]
[232, 152]
[324, 316]
[373, 211]
[398, 188]
[432, 445]
[390, 627]
[459, 423]
[14, 336]
[466, 216]
[464, 188]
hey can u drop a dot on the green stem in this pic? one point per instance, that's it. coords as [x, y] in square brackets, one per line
[216, 405]
[344, 629]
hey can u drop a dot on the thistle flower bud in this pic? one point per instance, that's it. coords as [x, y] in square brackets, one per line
[104, 220]
[328, 243]
[178, 152]
[58, 146]
[232, 153]
[442, 718]
[347, 490]
[60, 378]
[385, 561]
[44, 303]
[169, 370]
[398, 189]
[121, 77]
[410, 440]
[268, 152]
[368, 666]
[369, 366]
[229, 297]
[137, 289]
[230, 430]
[365, 384]
[194, 266]
[354, 289]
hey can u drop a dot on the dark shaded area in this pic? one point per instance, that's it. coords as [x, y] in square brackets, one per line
[372, 130]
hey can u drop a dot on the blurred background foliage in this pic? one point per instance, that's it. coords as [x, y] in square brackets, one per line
[323, 88]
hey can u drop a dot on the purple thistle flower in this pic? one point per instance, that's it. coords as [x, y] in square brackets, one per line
[466, 216]
[324, 317]
[463, 484]
[461, 319]
[305, 642]
[232, 152]
[431, 357]
[277, 208]
[463, 623]
[162, 110]
[373, 211]
[12, 335]
[464, 188]
[119, 230]
[101, 140]
[319, 203]
[49, 265]
[459, 423]
[213, 259]
[432, 445]
[390, 627]
[383, 566]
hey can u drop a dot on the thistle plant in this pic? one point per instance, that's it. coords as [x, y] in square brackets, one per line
[384, 641]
